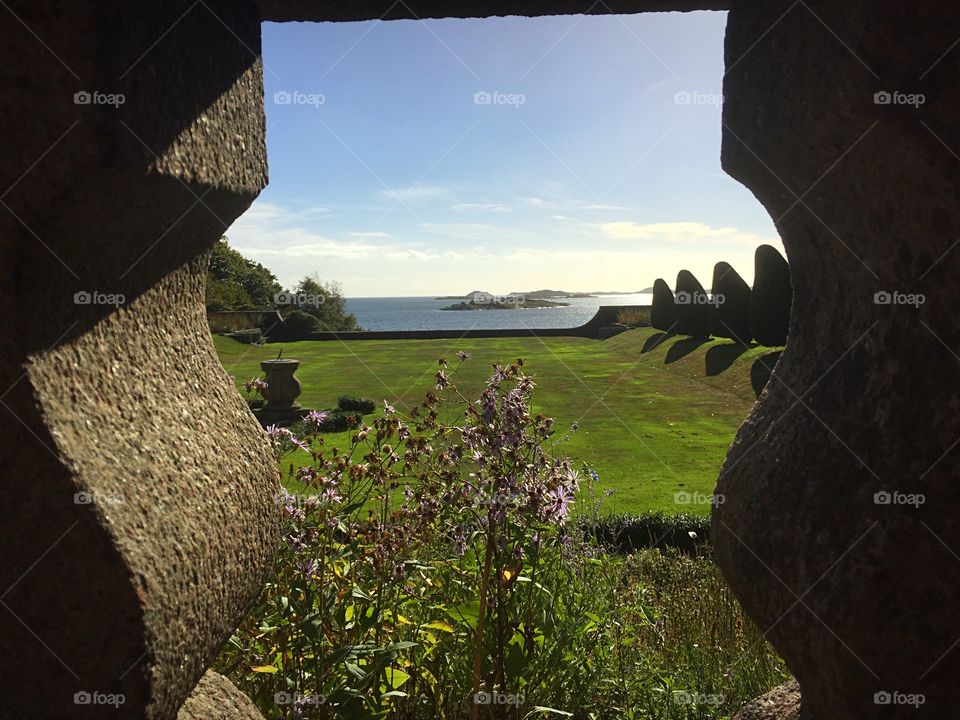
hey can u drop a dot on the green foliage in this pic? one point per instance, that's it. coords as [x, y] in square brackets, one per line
[325, 302]
[297, 325]
[730, 318]
[348, 402]
[471, 585]
[772, 297]
[662, 312]
[628, 533]
[691, 305]
[236, 283]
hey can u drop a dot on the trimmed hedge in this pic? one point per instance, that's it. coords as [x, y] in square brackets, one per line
[348, 402]
[338, 421]
[691, 306]
[731, 318]
[628, 533]
[661, 312]
[297, 325]
[771, 298]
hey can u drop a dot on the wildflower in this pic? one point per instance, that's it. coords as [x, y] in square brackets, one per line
[442, 380]
[463, 356]
[388, 409]
[316, 418]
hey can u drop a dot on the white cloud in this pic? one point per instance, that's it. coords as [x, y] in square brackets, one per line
[415, 194]
[488, 207]
[373, 234]
[682, 232]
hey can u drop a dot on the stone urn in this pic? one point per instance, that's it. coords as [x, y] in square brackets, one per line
[283, 389]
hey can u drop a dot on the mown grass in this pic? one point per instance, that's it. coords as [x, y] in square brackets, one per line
[652, 424]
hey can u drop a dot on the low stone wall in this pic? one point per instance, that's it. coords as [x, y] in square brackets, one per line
[597, 328]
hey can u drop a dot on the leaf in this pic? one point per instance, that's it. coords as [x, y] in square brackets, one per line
[540, 710]
[467, 612]
[264, 669]
[396, 677]
[440, 625]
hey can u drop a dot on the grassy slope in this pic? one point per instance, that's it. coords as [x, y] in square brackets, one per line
[651, 424]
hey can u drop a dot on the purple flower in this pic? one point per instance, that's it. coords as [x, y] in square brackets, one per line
[316, 418]
[463, 356]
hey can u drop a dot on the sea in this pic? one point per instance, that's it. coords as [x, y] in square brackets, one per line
[425, 313]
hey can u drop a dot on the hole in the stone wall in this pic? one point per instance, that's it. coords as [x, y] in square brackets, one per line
[482, 191]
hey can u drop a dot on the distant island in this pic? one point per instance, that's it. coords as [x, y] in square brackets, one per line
[484, 296]
[482, 300]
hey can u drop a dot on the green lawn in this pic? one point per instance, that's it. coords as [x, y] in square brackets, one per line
[651, 424]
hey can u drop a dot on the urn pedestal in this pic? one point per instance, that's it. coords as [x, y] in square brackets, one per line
[283, 389]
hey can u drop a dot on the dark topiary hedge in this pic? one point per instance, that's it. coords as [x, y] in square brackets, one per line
[347, 402]
[691, 305]
[338, 421]
[661, 313]
[297, 325]
[730, 315]
[771, 297]
[627, 533]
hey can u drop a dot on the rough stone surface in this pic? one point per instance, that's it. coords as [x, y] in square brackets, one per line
[781, 703]
[662, 311]
[690, 309]
[771, 297]
[731, 318]
[284, 10]
[858, 597]
[216, 698]
[138, 492]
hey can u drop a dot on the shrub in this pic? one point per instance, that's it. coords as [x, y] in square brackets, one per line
[691, 306]
[628, 533]
[634, 317]
[730, 318]
[662, 310]
[364, 407]
[297, 325]
[771, 298]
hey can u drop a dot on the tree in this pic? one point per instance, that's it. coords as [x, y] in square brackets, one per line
[662, 311]
[236, 283]
[730, 311]
[690, 306]
[771, 298]
[323, 300]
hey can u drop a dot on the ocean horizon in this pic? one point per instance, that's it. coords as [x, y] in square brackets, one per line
[426, 313]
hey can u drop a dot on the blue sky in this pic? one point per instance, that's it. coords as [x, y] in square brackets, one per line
[506, 154]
